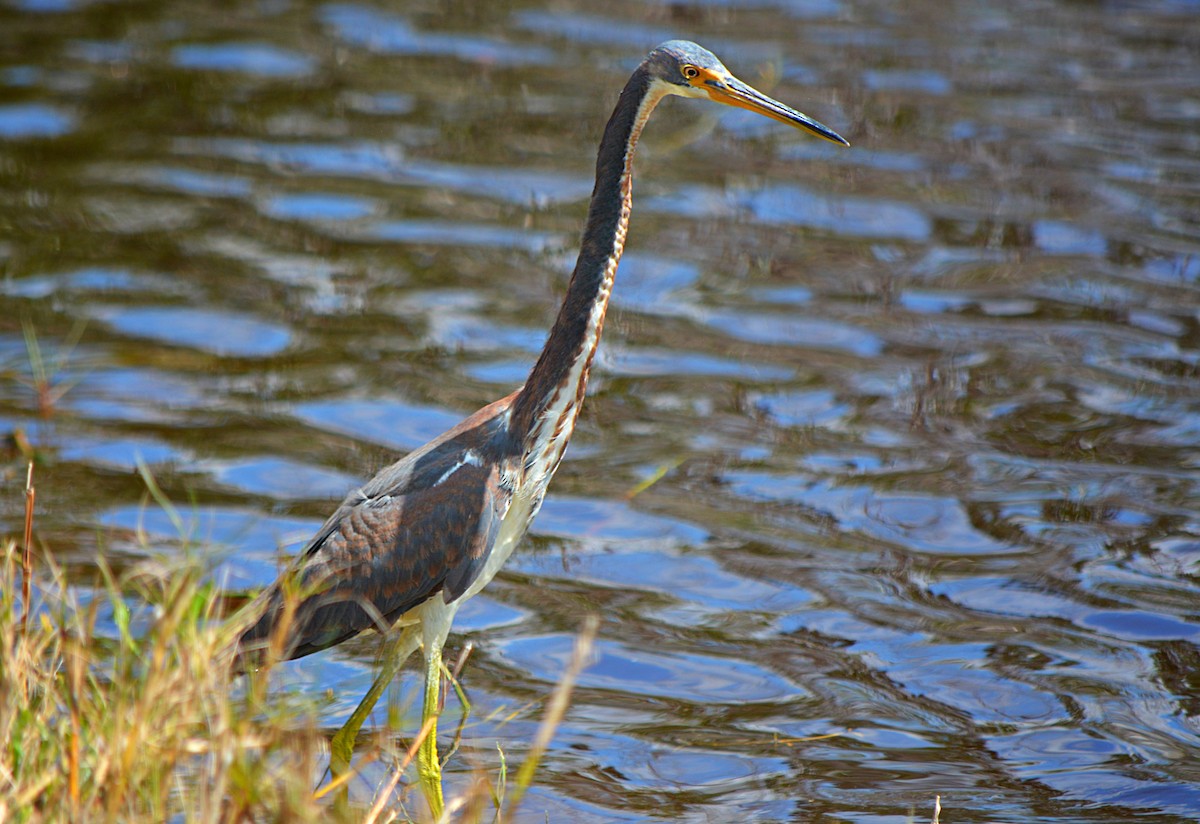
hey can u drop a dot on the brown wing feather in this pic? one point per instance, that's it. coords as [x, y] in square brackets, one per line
[380, 557]
[423, 526]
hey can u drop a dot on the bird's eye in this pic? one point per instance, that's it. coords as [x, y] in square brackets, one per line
[690, 72]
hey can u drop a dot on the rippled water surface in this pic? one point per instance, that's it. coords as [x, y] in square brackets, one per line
[928, 408]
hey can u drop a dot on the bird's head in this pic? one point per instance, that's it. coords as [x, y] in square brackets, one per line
[689, 70]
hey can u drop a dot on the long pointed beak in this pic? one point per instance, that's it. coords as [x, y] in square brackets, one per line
[733, 92]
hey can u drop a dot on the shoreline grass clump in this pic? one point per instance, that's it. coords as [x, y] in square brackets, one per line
[100, 724]
[117, 703]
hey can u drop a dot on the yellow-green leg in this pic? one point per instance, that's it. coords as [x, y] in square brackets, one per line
[429, 767]
[342, 745]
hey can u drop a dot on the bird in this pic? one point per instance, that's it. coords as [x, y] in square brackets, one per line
[402, 553]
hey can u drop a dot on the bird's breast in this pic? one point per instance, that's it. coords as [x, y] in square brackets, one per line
[516, 521]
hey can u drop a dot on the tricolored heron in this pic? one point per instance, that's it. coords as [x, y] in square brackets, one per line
[428, 532]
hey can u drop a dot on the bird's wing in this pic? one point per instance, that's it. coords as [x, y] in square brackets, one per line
[406, 536]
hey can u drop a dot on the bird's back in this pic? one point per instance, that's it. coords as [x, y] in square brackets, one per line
[423, 526]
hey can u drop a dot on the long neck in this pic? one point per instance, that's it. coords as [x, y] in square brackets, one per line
[544, 412]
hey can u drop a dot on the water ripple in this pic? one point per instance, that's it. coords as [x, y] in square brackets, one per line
[223, 332]
[25, 121]
[392, 34]
[253, 58]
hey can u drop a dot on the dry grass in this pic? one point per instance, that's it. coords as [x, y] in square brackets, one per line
[116, 704]
[145, 726]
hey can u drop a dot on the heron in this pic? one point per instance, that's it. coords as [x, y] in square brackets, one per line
[403, 553]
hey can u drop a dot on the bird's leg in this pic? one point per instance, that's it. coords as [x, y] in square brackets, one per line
[394, 656]
[429, 768]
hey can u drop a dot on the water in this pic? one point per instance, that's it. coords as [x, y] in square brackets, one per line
[928, 406]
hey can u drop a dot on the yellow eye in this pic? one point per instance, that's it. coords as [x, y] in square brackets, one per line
[690, 72]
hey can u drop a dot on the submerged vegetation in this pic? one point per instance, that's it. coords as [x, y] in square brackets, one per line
[115, 705]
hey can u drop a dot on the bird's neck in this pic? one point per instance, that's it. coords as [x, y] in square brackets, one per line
[543, 415]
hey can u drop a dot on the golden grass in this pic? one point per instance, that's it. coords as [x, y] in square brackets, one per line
[117, 704]
[139, 727]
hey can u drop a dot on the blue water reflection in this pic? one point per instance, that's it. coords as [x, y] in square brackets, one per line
[22, 121]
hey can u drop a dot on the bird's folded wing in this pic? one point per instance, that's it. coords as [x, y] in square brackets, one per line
[380, 556]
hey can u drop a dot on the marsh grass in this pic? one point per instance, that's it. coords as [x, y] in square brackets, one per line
[112, 725]
[117, 704]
